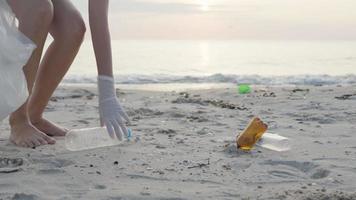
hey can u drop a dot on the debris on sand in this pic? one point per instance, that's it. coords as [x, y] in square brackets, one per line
[251, 134]
[184, 98]
[300, 90]
[346, 97]
[200, 165]
[10, 165]
[271, 94]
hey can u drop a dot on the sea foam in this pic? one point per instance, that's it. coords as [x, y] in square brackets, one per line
[223, 78]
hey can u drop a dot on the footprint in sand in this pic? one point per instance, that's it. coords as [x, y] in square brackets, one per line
[346, 97]
[313, 118]
[320, 173]
[100, 187]
[22, 196]
[83, 122]
[144, 112]
[52, 163]
[295, 169]
[8, 148]
[177, 114]
[50, 171]
[169, 132]
[10, 165]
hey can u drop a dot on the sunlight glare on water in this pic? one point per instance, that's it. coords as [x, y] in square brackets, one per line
[199, 58]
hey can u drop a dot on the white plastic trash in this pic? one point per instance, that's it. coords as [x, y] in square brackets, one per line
[15, 51]
[90, 138]
[274, 142]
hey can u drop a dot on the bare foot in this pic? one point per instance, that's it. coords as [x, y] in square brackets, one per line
[51, 129]
[24, 134]
[253, 132]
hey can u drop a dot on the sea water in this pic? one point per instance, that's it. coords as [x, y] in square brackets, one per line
[223, 61]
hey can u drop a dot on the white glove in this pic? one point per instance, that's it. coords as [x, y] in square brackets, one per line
[112, 115]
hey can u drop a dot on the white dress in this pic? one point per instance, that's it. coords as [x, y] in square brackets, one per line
[15, 50]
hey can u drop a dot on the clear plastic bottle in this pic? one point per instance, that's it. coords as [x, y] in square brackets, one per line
[274, 142]
[89, 138]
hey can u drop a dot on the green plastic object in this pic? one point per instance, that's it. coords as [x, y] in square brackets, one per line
[244, 88]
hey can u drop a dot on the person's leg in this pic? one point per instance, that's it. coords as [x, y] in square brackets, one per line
[35, 17]
[68, 31]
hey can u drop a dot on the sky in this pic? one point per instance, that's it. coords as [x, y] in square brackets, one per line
[231, 19]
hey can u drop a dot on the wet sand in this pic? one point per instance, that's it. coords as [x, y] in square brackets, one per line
[184, 147]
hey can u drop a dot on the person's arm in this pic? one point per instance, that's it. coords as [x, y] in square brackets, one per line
[112, 114]
[99, 26]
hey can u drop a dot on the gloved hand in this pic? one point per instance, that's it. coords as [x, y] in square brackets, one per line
[112, 115]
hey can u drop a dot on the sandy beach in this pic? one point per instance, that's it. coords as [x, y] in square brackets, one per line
[184, 148]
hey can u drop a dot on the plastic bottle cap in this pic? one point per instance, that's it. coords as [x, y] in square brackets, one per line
[244, 88]
[129, 133]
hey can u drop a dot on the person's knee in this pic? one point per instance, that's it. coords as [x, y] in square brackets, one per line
[72, 31]
[79, 29]
[43, 11]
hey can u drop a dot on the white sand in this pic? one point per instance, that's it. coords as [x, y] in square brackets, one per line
[186, 151]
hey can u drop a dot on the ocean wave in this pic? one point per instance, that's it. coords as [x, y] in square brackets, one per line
[223, 78]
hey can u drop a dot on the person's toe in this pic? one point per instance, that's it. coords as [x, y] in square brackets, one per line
[22, 144]
[42, 141]
[36, 142]
[49, 139]
[63, 131]
[30, 144]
